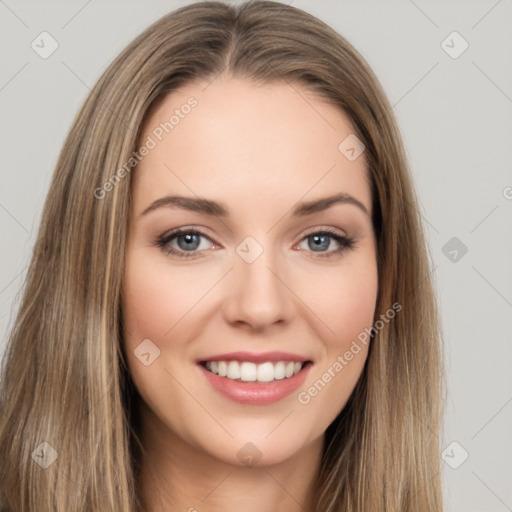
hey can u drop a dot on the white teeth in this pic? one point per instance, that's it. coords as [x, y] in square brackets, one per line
[233, 370]
[222, 368]
[252, 372]
[265, 372]
[279, 370]
[248, 372]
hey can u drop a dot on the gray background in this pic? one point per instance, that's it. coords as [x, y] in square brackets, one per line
[454, 114]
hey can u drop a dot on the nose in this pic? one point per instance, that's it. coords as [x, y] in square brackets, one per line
[258, 294]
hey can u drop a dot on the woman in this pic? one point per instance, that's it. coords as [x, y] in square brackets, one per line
[229, 302]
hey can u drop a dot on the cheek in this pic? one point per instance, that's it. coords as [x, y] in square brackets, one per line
[155, 299]
[162, 304]
[343, 300]
[154, 302]
[344, 303]
[347, 307]
[355, 307]
[332, 382]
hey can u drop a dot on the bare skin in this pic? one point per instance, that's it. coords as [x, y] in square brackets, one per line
[259, 150]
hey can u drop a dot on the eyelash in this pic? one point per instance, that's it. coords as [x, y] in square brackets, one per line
[163, 241]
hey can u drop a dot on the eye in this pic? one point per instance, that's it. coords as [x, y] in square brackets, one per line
[188, 241]
[317, 241]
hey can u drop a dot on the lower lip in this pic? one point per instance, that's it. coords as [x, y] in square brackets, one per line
[256, 393]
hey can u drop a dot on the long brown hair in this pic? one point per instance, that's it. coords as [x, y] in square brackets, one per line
[65, 390]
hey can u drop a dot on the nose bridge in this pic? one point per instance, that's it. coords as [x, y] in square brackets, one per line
[257, 292]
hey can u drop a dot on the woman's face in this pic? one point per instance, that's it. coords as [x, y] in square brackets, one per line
[258, 274]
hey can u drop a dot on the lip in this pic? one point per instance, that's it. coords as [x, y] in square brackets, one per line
[255, 393]
[257, 358]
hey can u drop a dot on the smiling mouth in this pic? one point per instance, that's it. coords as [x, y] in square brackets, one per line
[245, 371]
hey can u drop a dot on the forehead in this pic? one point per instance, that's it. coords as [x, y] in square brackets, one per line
[252, 146]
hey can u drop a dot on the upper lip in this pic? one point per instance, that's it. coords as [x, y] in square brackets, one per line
[254, 357]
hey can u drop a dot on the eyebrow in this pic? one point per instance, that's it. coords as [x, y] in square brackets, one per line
[216, 209]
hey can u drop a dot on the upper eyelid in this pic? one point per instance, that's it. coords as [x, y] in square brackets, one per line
[183, 231]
